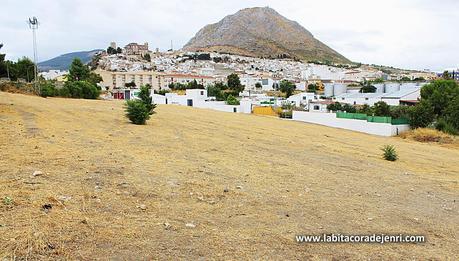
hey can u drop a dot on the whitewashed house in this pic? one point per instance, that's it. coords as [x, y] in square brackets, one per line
[303, 99]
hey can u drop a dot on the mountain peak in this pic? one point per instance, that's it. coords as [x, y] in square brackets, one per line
[262, 32]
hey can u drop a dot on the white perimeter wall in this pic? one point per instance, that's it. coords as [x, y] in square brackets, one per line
[329, 119]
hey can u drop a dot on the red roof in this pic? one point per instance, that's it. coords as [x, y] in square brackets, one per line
[178, 75]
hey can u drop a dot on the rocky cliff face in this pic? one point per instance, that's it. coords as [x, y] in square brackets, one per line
[262, 32]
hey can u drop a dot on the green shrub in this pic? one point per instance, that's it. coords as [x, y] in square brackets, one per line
[80, 89]
[421, 115]
[231, 100]
[137, 112]
[446, 127]
[48, 90]
[287, 114]
[389, 153]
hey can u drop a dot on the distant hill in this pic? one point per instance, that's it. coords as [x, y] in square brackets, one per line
[62, 62]
[262, 32]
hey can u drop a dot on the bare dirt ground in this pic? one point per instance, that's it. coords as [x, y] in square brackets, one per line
[244, 184]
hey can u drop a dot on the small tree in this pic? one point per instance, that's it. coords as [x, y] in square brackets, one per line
[231, 100]
[130, 84]
[287, 87]
[137, 112]
[312, 88]
[349, 108]
[48, 89]
[452, 113]
[78, 71]
[421, 115]
[335, 106]
[258, 85]
[147, 57]
[145, 97]
[381, 109]
[368, 89]
[234, 83]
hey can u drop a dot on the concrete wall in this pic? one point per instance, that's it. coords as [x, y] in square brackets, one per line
[329, 119]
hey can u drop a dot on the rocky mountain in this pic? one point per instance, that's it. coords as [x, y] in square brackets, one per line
[262, 32]
[62, 62]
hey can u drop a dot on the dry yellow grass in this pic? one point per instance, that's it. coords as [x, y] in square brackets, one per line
[429, 135]
[123, 191]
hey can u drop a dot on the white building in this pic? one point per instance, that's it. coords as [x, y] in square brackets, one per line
[392, 98]
[303, 99]
[198, 98]
[53, 74]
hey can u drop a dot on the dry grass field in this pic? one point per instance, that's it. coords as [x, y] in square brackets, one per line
[200, 184]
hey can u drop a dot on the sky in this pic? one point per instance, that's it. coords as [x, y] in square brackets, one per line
[411, 34]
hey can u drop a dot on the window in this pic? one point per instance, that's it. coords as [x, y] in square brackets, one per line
[202, 92]
[342, 99]
[316, 107]
[366, 99]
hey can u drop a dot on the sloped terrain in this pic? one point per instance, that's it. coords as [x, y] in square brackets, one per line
[198, 184]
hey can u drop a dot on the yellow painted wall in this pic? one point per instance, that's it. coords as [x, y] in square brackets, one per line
[264, 111]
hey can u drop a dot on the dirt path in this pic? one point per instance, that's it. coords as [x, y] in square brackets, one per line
[248, 184]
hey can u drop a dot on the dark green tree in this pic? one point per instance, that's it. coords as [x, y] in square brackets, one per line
[446, 75]
[349, 108]
[111, 50]
[258, 85]
[452, 113]
[335, 107]
[287, 87]
[234, 83]
[137, 112]
[381, 109]
[440, 93]
[145, 97]
[312, 88]
[421, 115]
[48, 89]
[368, 89]
[147, 57]
[78, 71]
[80, 89]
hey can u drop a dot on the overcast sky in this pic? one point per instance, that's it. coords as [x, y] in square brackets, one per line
[416, 34]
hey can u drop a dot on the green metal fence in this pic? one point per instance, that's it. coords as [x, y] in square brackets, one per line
[376, 119]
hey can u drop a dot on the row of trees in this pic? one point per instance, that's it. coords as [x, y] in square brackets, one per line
[111, 50]
[182, 86]
[23, 69]
[222, 91]
[81, 83]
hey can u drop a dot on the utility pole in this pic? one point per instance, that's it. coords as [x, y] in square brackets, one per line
[33, 24]
[8, 71]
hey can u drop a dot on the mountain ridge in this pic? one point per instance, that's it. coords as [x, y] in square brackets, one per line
[63, 61]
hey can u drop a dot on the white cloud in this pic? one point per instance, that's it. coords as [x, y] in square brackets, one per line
[411, 34]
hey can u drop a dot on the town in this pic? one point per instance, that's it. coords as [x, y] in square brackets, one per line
[189, 78]
[210, 130]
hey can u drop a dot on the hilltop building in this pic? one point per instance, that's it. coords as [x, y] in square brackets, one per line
[136, 49]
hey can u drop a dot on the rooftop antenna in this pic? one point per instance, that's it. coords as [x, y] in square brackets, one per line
[172, 46]
[33, 24]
